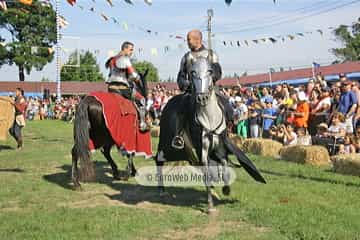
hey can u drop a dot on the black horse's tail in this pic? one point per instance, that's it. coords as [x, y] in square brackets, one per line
[82, 137]
[243, 159]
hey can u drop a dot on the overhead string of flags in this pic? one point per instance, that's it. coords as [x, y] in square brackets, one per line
[272, 39]
[169, 47]
[228, 2]
[123, 24]
[225, 42]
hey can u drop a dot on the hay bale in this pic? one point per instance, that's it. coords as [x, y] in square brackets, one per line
[347, 164]
[155, 131]
[262, 147]
[313, 155]
[238, 141]
[7, 115]
[36, 117]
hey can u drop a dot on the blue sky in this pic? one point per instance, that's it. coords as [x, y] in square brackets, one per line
[243, 20]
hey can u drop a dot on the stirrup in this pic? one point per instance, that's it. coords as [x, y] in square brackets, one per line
[144, 127]
[178, 142]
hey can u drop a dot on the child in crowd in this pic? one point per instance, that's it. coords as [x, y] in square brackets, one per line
[302, 137]
[347, 147]
[290, 137]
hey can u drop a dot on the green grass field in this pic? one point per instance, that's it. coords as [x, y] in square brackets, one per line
[37, 201]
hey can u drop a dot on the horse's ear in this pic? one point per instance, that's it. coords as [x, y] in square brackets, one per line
[145, 73]
[143, 83]
[107, 64]
[210, 56]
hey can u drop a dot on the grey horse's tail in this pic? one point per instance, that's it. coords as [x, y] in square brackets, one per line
[81, 138]
[243, 159]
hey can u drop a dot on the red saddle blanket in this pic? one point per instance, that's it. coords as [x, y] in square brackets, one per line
[122, 122]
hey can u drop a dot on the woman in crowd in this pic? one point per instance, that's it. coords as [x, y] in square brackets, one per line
[320, 111]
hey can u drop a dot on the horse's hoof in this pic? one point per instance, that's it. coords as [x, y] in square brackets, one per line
[124, 178]
[77, 187]
[226, 190]
[215, 195]
[117, 177]
[211, 211]
[133, 173]
[164, 194]
[167, 195]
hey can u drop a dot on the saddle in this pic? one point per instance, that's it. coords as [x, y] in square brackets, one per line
[121, 120]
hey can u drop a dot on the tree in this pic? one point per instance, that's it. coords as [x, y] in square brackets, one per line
[45, 79]
[170, 79]
[153, 75]
[351, 51]
[32, 30]
[88, 70]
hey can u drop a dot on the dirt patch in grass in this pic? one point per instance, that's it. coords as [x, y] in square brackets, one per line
[12, 206]
[209, 230]
[10, 209]
[213, 228]
[99, 198]
[244, 225]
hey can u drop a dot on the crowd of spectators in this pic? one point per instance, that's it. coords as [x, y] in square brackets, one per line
[40, 109]
[318, 112]
[157, 99]
[312, 113]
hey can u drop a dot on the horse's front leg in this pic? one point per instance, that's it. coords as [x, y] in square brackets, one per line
[130, 169]
[225, 176]
[159, 160]
[106, 152]
[207, 179]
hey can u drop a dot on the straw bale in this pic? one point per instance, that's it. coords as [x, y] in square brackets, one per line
[347, 164]
[238, 141]
[36, 117]
[313, 155]
[262, 147]
[7, 116]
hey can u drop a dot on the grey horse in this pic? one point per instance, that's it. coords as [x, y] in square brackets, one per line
[205, 131]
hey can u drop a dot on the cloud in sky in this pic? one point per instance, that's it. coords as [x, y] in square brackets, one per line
[177, 17]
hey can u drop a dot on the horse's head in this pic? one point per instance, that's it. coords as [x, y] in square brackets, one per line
[201, 75]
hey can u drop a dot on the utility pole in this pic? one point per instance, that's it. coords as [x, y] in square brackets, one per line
[58, 80]
[210, 14]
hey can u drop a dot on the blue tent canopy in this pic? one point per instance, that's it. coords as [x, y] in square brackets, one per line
[328, 78]
[27, 94]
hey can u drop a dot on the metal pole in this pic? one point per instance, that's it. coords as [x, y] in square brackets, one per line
[210, 13]
[313, 70]
[209, 32]
[270, 79]
[58, 61]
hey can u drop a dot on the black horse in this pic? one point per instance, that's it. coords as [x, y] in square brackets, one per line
[90, 124]
[205, 131]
